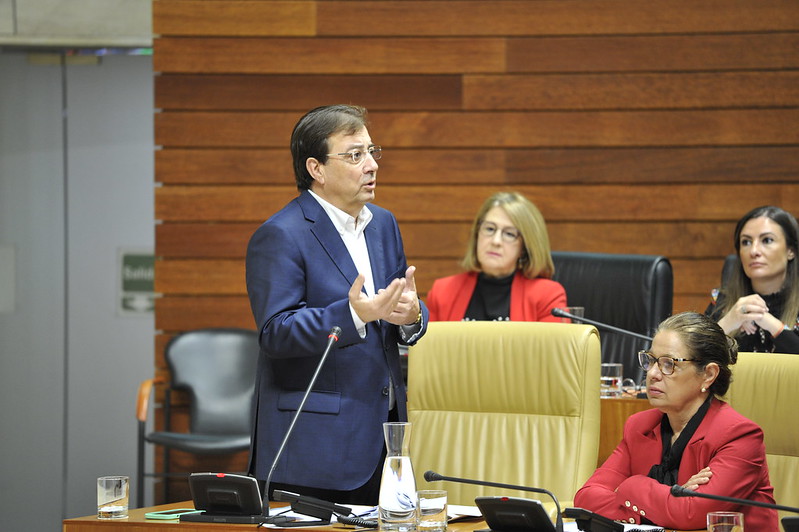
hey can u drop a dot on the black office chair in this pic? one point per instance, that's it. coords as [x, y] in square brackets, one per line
[216, 368]
[630, 292]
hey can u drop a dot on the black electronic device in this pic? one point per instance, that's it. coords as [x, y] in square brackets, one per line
[432, 476]
[591, 522]
[224, 498]
[790, 524]
[514, 514]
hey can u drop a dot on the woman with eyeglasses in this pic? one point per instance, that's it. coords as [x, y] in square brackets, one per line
[759, 303]
[691, 438]
[509, 268]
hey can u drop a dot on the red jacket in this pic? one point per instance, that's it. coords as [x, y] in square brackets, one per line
[725, 440]
[530, 299]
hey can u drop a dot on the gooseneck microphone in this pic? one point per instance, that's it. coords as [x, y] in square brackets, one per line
[332, 338]
[560, 313]
[432, 476]
[679, 491]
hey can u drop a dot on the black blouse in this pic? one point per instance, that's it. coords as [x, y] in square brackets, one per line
[491, 299]
[761, 340]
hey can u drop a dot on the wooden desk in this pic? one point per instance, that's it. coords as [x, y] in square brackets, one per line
[137, 523]
[613, 415]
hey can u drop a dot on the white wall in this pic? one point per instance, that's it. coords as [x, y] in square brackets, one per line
[76, 185]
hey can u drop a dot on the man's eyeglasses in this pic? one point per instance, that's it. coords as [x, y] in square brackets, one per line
[488, 230]
[666, 364]
[359, 156]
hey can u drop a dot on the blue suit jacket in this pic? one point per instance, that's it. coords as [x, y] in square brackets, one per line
[298, 275]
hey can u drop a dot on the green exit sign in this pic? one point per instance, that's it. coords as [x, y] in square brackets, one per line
[137, 282]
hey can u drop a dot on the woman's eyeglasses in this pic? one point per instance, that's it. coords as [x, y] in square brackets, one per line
[488, 230]
[665, 363]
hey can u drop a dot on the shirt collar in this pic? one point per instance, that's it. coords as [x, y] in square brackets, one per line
[342, 221]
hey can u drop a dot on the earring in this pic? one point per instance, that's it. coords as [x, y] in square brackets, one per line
[704, 389]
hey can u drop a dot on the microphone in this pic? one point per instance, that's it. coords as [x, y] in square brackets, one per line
[679, 491]
[332, 338]
[560, 313]
[432, 476]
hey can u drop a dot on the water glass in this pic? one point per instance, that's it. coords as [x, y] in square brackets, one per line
[725, 522]
[431, 508]
[113, 494]
[610, 380]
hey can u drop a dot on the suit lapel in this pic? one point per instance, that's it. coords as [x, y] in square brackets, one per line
[327, 236]
[377, 256]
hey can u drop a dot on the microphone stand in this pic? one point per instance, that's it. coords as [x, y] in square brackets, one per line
[560, 313]
[432, 476]
[332, 338]
[679, 491]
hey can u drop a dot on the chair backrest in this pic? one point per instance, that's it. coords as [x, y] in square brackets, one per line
[765, 389]
[217, 368]
[510, 402]
[630, 292]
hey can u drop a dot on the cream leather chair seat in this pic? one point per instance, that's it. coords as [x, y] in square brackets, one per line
[510, 402]
[765, 389]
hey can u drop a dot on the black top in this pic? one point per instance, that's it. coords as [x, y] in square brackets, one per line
[491, 299]
[762, 341]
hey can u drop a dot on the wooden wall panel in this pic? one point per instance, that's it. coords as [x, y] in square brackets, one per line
[636, 127]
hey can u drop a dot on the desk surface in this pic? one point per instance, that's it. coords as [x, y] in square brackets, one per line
[136, 523]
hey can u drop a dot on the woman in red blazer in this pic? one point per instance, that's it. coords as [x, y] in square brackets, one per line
[509, 267]
[690, 438]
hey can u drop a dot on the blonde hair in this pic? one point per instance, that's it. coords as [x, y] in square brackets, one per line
[536, 257]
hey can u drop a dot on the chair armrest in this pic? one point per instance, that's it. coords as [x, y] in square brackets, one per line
[143, 397]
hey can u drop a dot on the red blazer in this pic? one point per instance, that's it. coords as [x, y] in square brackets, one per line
[725, 440]
[530, 299]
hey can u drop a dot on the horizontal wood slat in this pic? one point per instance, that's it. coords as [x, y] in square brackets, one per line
[303, 92]
[424, 240]
[225, 17]
[329, 56]
[631, 91]
[554, 17]
[186, 313]
[737, 127]
[677, 203]
[439, 18]
[190, 278]
[498, 167]
[649, 53]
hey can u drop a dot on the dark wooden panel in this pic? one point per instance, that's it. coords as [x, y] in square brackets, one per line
[508, 129]
[230, 204]
[200, 277]
[589, 203]
[437, 240]
[696, 276]
[652, 165]
[329, 56]
[303, 92]
[268, 166]
[175, 313]
[203, 240]
[654, 53]
[554, 17]
[681, 90]
[696, 303]
[591, 128]
[225, 17]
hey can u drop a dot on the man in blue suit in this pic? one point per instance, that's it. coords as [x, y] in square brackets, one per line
[327, 259]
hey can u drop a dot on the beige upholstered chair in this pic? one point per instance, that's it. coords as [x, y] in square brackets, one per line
[510, 402]
[765, 388]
